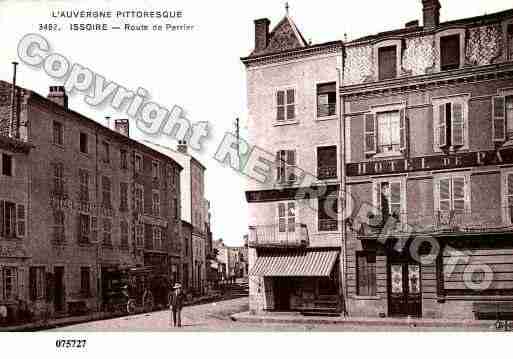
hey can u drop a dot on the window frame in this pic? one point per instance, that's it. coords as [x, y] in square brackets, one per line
[84, 135]
[318, 164]
[123, 196]
[106, 152]
[445, 33]
[317, 95]
[376, 195]
[37, 288]
[404, 130]
[318, 216]
[285, 106]
[398, 43]
[85, 291]
[466, 189]
[286, 217]
[106, 191]
[155, 169]
[289, 169]
[59, 139]
[138, 168]
[84, 186]
[11, 162]
[123, 159]
[506, 217]
[139, 188]
[462, 99]
[58, 228]
[156, 205]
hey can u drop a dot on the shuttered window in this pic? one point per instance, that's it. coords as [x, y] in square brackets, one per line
[450, 123]
[370, 134]
[453, 194]
[286, 217]
[390, 199]
[499, 118]
[21, 221]
[450, 52]
[285, 105]
[286, 166]
[387, 58]
[366, 274]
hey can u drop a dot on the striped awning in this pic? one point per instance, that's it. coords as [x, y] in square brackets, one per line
[301, 263]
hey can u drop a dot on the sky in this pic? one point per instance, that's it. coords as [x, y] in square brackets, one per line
[198, 70]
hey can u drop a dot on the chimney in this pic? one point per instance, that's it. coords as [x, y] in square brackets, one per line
[261, 34]
[182, 146]
[58, 95]
[431, 14]
[121, 126]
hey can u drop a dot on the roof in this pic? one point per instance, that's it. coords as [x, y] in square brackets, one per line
[296, 263]
[122, 138]
[476, 20]
[168, 151]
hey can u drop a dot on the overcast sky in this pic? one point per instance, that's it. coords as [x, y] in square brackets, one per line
[200, 70]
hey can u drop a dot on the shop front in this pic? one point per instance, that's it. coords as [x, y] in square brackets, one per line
[300, 280]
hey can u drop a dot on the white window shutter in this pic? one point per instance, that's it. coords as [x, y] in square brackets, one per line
[444, 195]
[395, 198]
[403, 132]
[291, 166]
[370, 134]
[280, 105]
[459, 194]
[21, 225]
[291, 104]
[441, 133]
[457, 123]
[499, 118]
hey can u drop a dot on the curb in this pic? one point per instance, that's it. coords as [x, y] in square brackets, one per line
[419, 323]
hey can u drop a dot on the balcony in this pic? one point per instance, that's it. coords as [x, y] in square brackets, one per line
[326, 110]
[270, 236]
[440, 223]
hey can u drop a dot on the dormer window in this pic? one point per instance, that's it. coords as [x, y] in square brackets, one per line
[387, 59]
[450, 52]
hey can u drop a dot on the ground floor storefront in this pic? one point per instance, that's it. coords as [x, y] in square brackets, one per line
[304, 280]
[449, 276]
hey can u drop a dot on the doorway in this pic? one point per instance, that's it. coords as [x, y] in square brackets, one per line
[59, 289]
[404, 289]
[282, 290]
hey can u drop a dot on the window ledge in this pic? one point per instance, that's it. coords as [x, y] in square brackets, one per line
[366, 297]
[285, 123]
[389, 155]
[327, 118]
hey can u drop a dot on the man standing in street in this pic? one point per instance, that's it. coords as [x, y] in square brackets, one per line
[176, 300]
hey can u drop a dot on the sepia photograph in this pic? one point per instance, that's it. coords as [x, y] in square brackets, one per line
[272, 177]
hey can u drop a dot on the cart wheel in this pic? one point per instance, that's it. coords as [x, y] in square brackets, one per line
[130, 306]
[148, 301]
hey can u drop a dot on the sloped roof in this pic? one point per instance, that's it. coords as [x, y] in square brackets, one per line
[285, 36]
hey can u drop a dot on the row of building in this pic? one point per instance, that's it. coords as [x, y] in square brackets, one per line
[408, 137]
[81, 201]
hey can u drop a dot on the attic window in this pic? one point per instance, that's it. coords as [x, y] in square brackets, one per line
[450, 52]
[387, 57]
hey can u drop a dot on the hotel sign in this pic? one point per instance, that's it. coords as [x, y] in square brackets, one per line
[431, 163]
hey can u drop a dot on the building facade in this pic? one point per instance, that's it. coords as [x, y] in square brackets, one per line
[393, 158]
[98, 202]
[293, 115]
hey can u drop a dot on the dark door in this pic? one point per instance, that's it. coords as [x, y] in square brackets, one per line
[405, 296]
[59, 293]
[281, 289]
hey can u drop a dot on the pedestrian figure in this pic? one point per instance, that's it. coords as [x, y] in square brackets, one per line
[176, 300]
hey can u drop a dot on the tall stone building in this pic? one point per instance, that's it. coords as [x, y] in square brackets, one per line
[404, 139]
[95, 201]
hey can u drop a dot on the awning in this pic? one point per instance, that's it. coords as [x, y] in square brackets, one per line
[302, 263]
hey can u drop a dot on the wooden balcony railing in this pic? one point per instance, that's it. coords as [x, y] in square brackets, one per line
[271, 236]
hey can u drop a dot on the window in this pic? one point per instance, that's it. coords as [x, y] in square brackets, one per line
[7, 165]
[286, 165]
[387, 62]
[326, 99]
[366, 274]
[502, 118]
[84, 185]
[83, 228]
[123, 203]
[138, 163]
[94, 229]
[8, 219]
[58, 133]
[123, 159]
[58, 226]
[10, 283]
[155, 200]
[509, 35]
[139, 235]
[124, 234]
[326, 162]
[327, 214]
[157, 238]
[85, 282]
[58, 179]
[452, 194]
[107, 232]
[385, 132]
[450, 125]
[37, 283]
[450, 52]
[389, 199]
[285, 105]
[106, 192]
[155, 169]
[105, 152]
[20, 221]
[139, 195]
[84, 145]
[287, 217]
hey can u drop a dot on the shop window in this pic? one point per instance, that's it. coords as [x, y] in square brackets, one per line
[327, 214]
[450, 52]
[327, 286]
[85, 282]
[7, 165]
[327, 162]
[366, 274]
[37, 279]
[326, 99]
[287, 217]
[387, 59]
[450, 126]
[285, 105]
[286, 166]
[58, 133]
[84, 145]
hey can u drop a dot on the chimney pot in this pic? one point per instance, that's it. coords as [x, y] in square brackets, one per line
[182, 146]
[431, 14]
[261, 34]
[122, 126]
[58, 95]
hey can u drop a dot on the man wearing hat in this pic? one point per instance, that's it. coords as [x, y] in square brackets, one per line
[176, 300]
